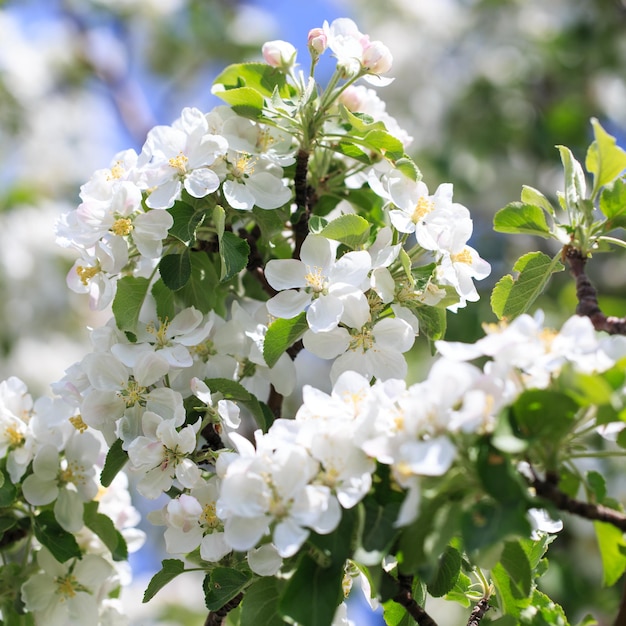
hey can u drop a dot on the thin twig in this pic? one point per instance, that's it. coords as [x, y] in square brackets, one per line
[303, 210]
[588, 297]
[548, 490]
[405, 598]
[478, 612]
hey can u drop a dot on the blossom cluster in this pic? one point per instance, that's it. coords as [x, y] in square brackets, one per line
[52, 462]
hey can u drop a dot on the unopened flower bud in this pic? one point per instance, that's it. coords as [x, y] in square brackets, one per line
[376, 58]
[280, 54]
[317, 41]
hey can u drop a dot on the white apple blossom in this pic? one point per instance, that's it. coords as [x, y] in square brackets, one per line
[270, 489]
[371, 350]
[69, 482]
[66, 593]
[331, 291]
[179, 157]
[162, 454]
[191, 521]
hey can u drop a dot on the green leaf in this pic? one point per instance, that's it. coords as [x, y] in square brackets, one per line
[8, 491]
[232, 390]
[360, 123]
[575, 185]
[164, 298]
[546, 613]
[260, 604]
[597, 484]
[352, 230]
[175, 270]
[129, 297]
[245, 101]
[61, 544]
[605, 159]
[459, 593]
[186, 220]
[385, 143]
[515, 561]
[353, 151]
[258, 76]
[314, 591]
[612, 550]
[513, 296]
[447, 573]
[103, 526]
[498, 476]
[200, 290]
[530, 195]
[544, 414]
[234, 252]
[280, 335]
[115, 461]
[432, 321]
[613, 205]
[170, 568]
[396, 615]
[222, 584]
[518, 218]
[488, 522]
[379, 530]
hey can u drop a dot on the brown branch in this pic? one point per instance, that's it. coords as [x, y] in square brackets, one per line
[478, 612]
[216, 618]
[588, 297]
[405, 598]
[256, 265]
[548, 490]
[300, 223]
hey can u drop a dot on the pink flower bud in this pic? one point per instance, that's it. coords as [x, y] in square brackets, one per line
[280, 54]
[376, 58]
[317, 41]
[352, 98]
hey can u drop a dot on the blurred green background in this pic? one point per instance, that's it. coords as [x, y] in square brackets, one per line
[487, 88]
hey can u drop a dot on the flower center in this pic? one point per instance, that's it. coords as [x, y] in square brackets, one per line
[423, 207]
[14, 436]
[462, 257]
[122, 226]
[78, 424]
[86, 273]
[117, 171]
[208, 518]
[74, 473]
[204, 350]
[133, 393]
[243, 165]
[362, 341]
[316, 281]
[179, 163]
[66, 586]
[160, 333]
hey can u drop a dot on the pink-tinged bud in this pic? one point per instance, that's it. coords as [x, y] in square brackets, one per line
[280, 54]
[376, 58]
[352, 98]
[317, 41]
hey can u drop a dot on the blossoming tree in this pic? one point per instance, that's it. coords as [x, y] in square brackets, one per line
[269, 265]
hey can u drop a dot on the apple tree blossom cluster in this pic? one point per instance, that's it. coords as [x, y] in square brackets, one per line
[269, 265]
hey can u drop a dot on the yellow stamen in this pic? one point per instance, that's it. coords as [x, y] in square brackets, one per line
[86, 273]
[423, 207]
[243, 166]
[67, 586]
[117, 171]
[462, 257]
[179, 163]
[122, 226]
[315, 279]
[362, 341]
[78, 424]
[208, 517]
[14, 436]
